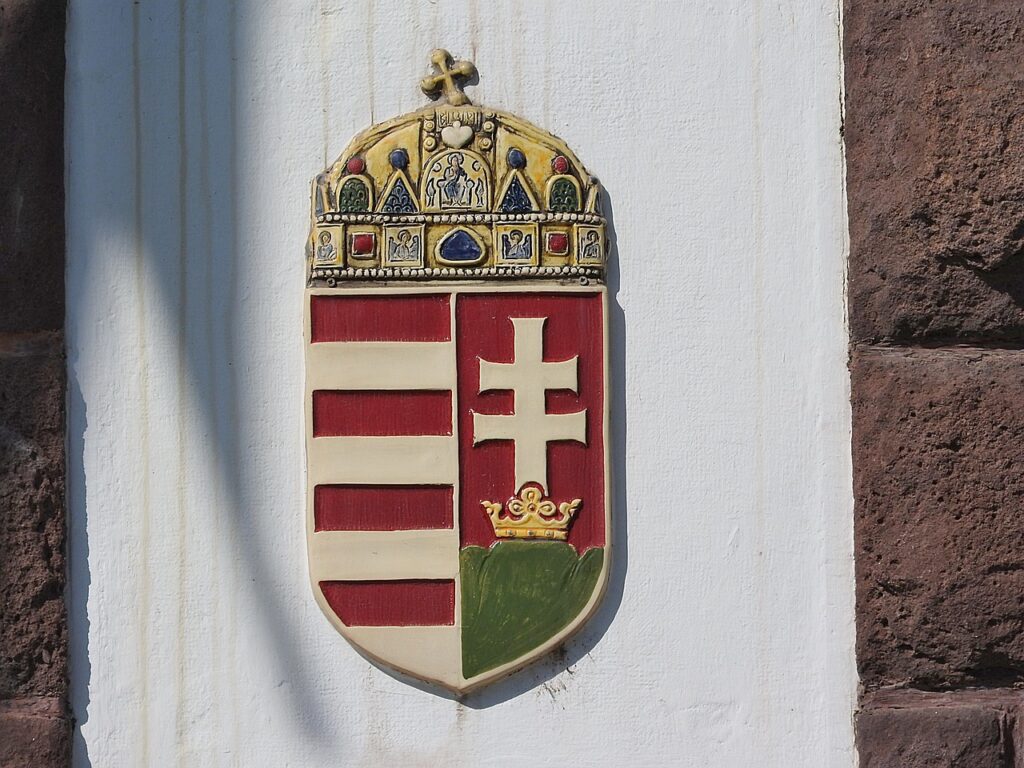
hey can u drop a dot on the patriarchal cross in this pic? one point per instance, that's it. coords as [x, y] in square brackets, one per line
[531, 427]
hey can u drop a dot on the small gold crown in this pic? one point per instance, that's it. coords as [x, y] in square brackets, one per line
[531, 516]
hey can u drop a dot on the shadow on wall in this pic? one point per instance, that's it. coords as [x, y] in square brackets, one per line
[184, 160]
[79, 578]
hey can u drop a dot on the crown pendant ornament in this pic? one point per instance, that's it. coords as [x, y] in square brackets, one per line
[457, 354]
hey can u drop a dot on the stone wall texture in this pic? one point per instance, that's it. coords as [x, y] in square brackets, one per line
[935, 147]
[935, 169]
[35, 725]
[967, 729]
[939, 441]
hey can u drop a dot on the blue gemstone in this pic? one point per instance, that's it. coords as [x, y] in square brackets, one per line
[460, 246]
[516, 158]
[399, 158]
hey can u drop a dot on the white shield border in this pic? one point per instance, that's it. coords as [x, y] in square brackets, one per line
[425, 653]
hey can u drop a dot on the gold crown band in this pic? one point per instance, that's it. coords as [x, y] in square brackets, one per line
[584, 274]
[457, 218]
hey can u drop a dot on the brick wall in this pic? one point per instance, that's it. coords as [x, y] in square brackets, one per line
[34, 723]
[935, 147]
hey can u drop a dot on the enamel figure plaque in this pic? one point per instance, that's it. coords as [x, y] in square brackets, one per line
[458, 510]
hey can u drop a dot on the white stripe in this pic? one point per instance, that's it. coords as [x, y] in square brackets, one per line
[433, 653]
[381, 365]
[384, 460]
[365, 555]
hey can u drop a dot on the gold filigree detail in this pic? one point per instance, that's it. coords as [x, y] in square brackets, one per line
[531, 516]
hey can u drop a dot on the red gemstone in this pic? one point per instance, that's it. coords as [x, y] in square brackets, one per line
[558, 243]
[362, 244]
[355, 165]
[560, 164]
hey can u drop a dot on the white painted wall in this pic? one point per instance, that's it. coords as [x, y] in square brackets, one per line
[193, 130]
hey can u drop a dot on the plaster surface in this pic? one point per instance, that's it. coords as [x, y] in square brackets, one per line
[193, 131]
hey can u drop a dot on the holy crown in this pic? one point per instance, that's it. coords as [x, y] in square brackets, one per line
[456, 191]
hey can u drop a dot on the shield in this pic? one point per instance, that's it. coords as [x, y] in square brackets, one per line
[456, 396]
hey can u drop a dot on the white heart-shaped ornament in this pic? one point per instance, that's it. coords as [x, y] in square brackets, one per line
[457, 135]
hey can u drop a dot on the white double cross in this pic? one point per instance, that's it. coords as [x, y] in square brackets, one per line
[530, 427]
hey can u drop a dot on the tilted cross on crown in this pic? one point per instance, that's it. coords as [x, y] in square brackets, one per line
[447, 81]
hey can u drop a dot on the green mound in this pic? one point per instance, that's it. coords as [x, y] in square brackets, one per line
[517, 594]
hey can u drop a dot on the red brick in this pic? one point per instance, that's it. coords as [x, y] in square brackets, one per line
[33, 633]
[34, 733]
[938, 452]
[910, 729]
[935, 155]
[31, 165]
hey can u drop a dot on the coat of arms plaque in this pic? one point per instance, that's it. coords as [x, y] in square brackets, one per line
[456, 399]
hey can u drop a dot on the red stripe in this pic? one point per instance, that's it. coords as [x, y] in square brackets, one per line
[382, 507]
[402, 603]
[381, 413]
[422, 317]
